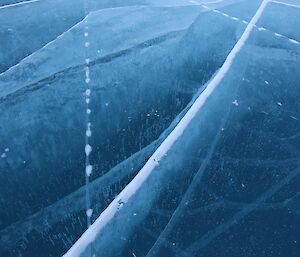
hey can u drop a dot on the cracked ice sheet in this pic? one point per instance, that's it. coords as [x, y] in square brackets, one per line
[49, 112]
[111, 30]
[114, 77]
[205, 52]
[261, 138]
[293, 2]
[52, 16]
[244, 131]
[59, 87]
[64, 215]
[245, 184]
[243, 10]
[289, 18]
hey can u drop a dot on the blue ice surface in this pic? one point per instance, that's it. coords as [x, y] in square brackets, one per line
[10, 2]
[28, 27]
[229, 186]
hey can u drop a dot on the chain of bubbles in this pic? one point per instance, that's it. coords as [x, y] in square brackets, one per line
[88, 132]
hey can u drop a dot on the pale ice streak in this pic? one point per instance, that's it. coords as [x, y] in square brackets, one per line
[261, 29]
[88, 132]
[18, 4]
[90, 235]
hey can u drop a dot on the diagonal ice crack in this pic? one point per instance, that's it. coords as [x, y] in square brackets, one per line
[213, 234]
[178, 213]
[44, 46]
[261, 29]
[108, 214]
[18, 4]
[166, 243]
[286, 4]
[230, 205]
[42, 82]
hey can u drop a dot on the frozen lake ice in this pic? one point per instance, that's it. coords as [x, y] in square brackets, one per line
[149, 128]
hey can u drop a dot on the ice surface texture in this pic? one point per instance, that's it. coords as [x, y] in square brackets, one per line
[227, 186]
